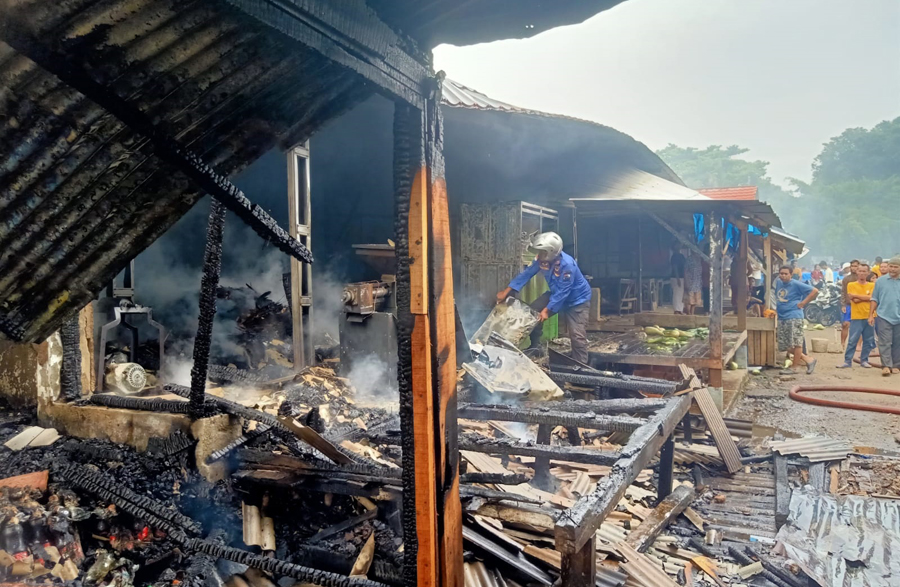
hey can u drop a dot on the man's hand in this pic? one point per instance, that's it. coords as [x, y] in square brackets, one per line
[871, 320]
[802, 304]
[502, 295]
[544, 316]
[843, 309]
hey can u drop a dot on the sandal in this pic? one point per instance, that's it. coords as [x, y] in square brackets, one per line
[885, 372]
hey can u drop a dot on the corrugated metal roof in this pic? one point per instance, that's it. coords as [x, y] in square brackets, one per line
[849, 541]
[734, 193]
[816, 449]
[433, 22]
[643, 568]
[81, 193]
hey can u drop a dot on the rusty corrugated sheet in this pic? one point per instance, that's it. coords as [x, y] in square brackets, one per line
[816, 449]
[734, 193]
[846, 541]
[80, 194]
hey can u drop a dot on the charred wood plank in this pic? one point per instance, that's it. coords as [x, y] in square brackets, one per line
[727, 448]
[666, 469]
[14, 30]
[625, 382]
[782, 491]
[542, 464]
[493, 478]
[494, 495]
[551, 418]
[668, 509]
[561, 453]
[244, 439]
[578, 524]
[146, 405]
[516, 562]
[604, 407]
[343, 526]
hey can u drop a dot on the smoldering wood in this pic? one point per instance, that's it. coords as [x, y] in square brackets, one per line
[343, 526]
[561, 453]
[589, 420]
[542, 477]
[666, 469]
[578, 525]
[642, 537]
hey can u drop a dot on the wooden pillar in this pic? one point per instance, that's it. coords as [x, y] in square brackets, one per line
[743, 290]
[579, 569]
[640, 266]
[427, 351]
[666, 469]
[770, 272]
[717, 255]
[542, 464]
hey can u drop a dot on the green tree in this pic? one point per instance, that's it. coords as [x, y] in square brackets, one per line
[858, 153]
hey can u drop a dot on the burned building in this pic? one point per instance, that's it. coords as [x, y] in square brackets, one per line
[120, 117]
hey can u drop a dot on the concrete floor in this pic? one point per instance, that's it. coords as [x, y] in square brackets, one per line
[766, 402]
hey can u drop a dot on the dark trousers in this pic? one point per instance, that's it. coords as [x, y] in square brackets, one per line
[576, 319]
[888, 342]
[860, 329]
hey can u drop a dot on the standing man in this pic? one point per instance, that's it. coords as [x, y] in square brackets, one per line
[677, 279]
[569, 295]
[826, 270]
[792, 296]
[886, 299]
[849, 277]
[693, 282]
[860, 292]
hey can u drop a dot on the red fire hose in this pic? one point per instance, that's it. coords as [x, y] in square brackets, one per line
[797, 390]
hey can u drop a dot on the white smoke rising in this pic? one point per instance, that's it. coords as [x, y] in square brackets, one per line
[374, 383]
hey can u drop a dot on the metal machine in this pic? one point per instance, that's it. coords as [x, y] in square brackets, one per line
[368, 322]
[118, 371]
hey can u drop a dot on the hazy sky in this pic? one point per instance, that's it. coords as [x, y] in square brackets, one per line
[780, 77]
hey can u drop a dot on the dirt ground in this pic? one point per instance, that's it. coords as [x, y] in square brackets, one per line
[766, 401]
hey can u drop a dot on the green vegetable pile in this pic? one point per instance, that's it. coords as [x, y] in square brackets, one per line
[663, 339]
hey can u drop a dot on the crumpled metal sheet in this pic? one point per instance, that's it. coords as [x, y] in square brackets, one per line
[506, 371]
[815, 448]
[846, 541]
[513, 320]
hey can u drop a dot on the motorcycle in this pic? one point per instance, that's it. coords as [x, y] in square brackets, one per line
[826, 308]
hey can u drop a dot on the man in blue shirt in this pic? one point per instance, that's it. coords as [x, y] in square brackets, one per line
[569, 295]
[792, 296]
[886, 302]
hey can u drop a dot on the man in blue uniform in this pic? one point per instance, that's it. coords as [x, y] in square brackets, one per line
[569, 295]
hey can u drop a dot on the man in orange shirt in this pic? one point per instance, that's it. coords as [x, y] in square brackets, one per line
[860, 294]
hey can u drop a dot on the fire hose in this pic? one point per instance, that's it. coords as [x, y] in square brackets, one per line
[797, 391]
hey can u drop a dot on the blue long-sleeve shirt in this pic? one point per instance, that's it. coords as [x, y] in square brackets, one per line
[568, 287]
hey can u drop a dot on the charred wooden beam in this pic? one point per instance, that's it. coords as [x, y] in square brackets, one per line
[560, 453]
[668, 509]
[579, 523]
[782, 491]
[349, 33]
[209, 284]
[494, 495]
[666, 469]
[343, 526]
[237, 443]
[625, 382]
[70, 370]
[493, 478]
[14, 30]
[589, 420]
[146, 405]
[295, 465]
[600, 407]
[716, 284]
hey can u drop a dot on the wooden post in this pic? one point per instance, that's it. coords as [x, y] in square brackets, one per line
[640, 267]
[714, 232]
[743, 289]
[666, 469]
[579, 569]
[770, 272]
[427, 351]
[542, 464]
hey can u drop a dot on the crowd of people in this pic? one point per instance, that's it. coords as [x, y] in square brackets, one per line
[870, 305]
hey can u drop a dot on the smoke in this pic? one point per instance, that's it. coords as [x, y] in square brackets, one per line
[327, 288]
[375, 383]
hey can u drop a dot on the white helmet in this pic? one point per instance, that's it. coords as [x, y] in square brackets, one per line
[547, 246]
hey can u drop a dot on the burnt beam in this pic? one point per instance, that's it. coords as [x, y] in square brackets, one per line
[351, 34]
[559, 453]
[209, 283]
[578, 524]
[659, 386]
[551, 418]
[70, 370]
[15, 31]
[642, 537]
[605, 407]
